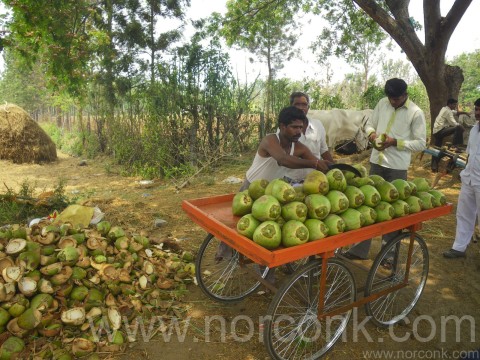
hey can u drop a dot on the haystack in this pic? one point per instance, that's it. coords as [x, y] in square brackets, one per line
[22, 140]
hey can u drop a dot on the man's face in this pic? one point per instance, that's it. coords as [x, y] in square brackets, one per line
[397, 101]
[477, 113]
[301, 103]
[292, 131]
[453, 106]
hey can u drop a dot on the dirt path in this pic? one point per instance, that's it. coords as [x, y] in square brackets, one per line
[210, 330]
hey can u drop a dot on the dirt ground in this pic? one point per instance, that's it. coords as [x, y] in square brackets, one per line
[452, 287]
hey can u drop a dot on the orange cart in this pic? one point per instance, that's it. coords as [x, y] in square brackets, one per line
[311, 308]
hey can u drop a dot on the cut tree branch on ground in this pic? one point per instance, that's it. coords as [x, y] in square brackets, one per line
[203, 167]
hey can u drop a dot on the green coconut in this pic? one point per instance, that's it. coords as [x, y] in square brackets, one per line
[257, 188]
[415, 204]
[377, 179]
[283, 192]
[29, 319]
[12, 346]
[377, 144]
[294, 233]
[241, 204]
[68, 254]
[318, 206]
[266, 207]
[269, 187]
[48, 250]
[79, 293]
[403, 187]
[372, 196]
[268, 234]
[336, 180]
[104, 227]
[401, 208]
[335, 224]
[247, 225]
[360, 181]
[122, 243]
[295, 210]
[41, 301]
[353, 219]
[115, 232]
[300, 194]
[388, 192]
[427, 199]
[4, 317]
[355, 196]
[422, 184]
[79, 238]
[317, 229]
[439, 198]
[78, 273]
[385, 211]
[315, 182]
[413, 188]
[362, 169]
[369, 214]
[17, 309]
[30, 260]
[338, 201]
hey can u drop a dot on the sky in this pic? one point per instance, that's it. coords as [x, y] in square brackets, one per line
[466, 38]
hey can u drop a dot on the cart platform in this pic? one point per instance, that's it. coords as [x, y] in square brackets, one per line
[214, 215]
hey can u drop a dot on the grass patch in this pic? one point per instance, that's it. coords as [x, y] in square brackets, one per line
[20, 207]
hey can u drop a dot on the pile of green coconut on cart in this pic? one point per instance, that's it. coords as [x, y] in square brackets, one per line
[277, 214]
[68, 292]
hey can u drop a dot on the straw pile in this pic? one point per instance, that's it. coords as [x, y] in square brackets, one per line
[22, 140]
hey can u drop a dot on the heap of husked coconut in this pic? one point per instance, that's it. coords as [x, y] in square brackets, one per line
[70, 283]
[275, 213]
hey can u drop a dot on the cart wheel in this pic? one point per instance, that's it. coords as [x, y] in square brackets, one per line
[292, 329]
[393, 307]
[225, 279]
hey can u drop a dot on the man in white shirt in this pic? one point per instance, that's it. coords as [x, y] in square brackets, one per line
[445, 125]
[404, 125]
[468, 206]
[313, 136]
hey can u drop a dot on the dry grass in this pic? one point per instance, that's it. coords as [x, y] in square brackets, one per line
[21, 139]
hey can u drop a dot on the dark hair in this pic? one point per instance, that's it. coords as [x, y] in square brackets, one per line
[477, 102]
[289, 114]
[395, 87]
[452, 101]
[297, 94]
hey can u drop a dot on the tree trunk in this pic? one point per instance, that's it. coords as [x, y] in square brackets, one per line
[441, 81]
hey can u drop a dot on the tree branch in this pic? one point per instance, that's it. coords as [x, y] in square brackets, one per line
[400, 29]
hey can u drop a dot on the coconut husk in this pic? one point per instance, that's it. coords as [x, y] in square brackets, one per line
[22, 140]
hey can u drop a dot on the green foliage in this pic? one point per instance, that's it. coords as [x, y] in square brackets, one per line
[470, 64]
[18, 207]
[55, 32]
[418, 94]
[75, 142]
[373, 94]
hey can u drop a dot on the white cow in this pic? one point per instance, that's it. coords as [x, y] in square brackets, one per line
[344, 128]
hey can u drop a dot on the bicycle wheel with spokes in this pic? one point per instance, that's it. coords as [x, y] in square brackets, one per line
[223, 273]
[396, 305]
[292, 329]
